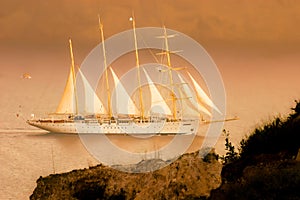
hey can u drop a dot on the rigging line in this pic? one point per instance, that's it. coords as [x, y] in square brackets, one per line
[181, 104]
[162, 56]
[148, 48]
[153, 55]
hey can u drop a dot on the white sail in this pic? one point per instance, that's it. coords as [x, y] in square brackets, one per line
[188, 94]
[158, 103]
[93, 104]
[67, 102]
[187, 110]
[121, 97]
[202, 96]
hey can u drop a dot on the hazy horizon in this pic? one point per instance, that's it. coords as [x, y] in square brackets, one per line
[255, 46]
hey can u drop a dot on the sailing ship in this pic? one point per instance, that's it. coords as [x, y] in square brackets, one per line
[100, 119]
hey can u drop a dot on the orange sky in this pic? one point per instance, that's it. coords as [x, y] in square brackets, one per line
[31, 23]
[256, 45]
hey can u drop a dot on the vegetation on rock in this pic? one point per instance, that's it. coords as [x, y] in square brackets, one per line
[265, 167]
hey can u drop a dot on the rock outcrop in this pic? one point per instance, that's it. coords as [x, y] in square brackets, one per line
[188, 177]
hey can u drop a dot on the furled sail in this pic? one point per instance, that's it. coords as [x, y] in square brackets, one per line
[202, 96]
[188, 93]
[93, 104]
[121, 97]
[158, 104]
[67, 102]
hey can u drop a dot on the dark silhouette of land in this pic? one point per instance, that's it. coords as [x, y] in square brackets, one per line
[268, 164]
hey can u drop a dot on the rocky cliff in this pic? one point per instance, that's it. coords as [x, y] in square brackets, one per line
[189, 177]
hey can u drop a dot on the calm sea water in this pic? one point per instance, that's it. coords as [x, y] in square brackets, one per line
[27, 155]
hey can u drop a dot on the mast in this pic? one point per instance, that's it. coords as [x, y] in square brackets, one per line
[73, 75]
[106, 73]
[174, 110]
[138, 69]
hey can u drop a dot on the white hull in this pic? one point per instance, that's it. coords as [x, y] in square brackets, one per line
[117, 127]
